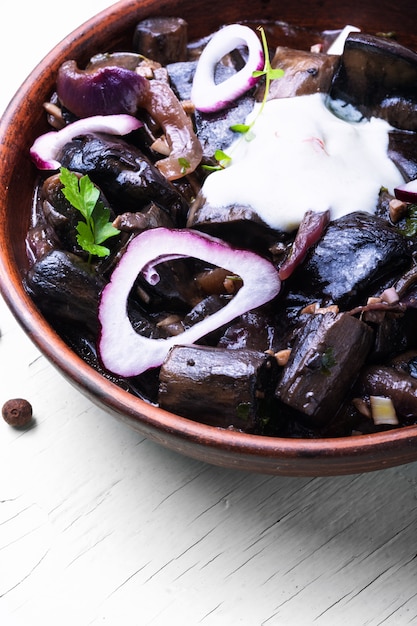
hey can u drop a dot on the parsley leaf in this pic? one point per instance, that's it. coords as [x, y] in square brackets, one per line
[410, 228]
[327, 360]
[222, 159]
[96, 228]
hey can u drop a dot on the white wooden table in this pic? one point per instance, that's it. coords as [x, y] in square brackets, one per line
[101, 526]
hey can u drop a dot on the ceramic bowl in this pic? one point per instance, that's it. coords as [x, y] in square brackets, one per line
[24, 120]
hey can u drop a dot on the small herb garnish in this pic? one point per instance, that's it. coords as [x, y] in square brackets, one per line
[410, 228]
[243, 410]
[223, 160]
[246, 129]
[83, 195]
[184, 164]
[327, 360]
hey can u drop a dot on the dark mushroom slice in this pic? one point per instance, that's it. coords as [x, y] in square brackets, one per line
[406, 362]
[212, 129]
[127, 177]
[402, 150]
[207, 306]
[377, 77]
[66, 289]
[220, 387]
[357, 255]
[138, 221]
[255, 330]
[239, 225]
[304, 73]
[388, 382]
[163, 39]
[325, 361]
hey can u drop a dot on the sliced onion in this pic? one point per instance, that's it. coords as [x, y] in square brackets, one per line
[309, 232]
[185, 149]
[407, 192]
[46, 148]
[125, 352]
[102, 91]
[206, 95]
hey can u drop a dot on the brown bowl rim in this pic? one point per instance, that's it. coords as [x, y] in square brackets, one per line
[276, 455]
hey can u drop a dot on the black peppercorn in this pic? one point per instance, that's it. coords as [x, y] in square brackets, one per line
[17, 412]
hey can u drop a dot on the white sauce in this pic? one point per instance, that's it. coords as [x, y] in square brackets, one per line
[303, 157]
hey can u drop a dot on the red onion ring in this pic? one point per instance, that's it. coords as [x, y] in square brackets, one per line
[46, 147]
[125, 352]
[407, 192]
[208, 96]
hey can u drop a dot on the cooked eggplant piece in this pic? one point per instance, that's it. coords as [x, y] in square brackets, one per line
[325, 361]
[239, 225]
[377, 77]
[151, 217]
[66, 289]
[402, 150]
[356, 256]
[206, 307]
[304, 73]
[162, 39]
[127, 178]
[388, 382]
[394, 334]
[220, 387]
[255, 330]
[212, 129]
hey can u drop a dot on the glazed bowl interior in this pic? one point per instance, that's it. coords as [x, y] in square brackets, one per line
[24, 120]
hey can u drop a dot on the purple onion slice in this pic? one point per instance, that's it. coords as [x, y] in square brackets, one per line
[206, 95]
[101, 91]
[125, 352]
[407, 192]
[46, 148]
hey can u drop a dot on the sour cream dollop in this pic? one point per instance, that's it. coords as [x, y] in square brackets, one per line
[302, 157]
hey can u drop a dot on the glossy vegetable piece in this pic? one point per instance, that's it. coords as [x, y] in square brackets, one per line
[304, 73]
[378, 77]
[311, 229]
[110, 89]
[66, 289]
[402, 150]
[357, 254]
[386, 381]
[99, 91]
[163, 39]
[226, 388]
[324, 363]
[213, 129]
[128, 179]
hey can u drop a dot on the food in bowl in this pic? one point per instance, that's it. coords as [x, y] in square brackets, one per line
[292, 322]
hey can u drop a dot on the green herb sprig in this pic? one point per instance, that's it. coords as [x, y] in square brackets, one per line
[410, 228]
[270, 74]
[328, 360]
[83, 195]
